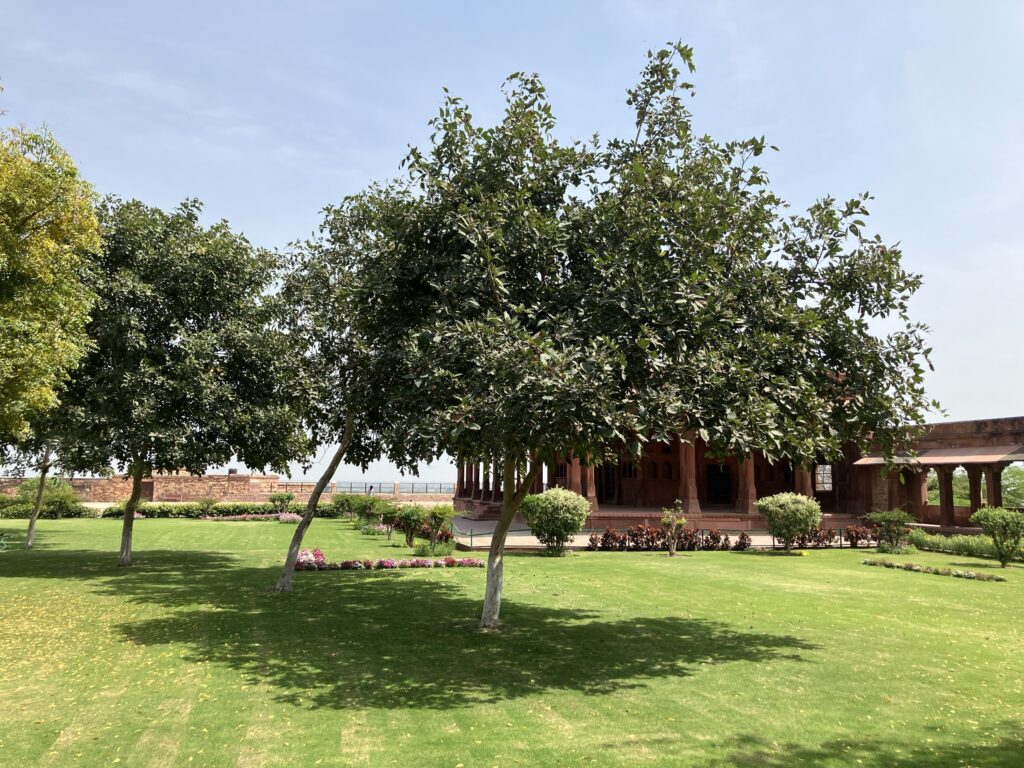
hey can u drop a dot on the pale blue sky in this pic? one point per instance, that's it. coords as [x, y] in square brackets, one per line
[268, 111]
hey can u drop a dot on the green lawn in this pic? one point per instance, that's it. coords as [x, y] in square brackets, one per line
[710, 659]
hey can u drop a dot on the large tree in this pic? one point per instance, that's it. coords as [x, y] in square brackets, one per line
[186, 370]
[47, 227]
[338, 412]
[528, 298]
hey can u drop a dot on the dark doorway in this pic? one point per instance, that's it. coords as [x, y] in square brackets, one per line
[719, 484]
[605, 478]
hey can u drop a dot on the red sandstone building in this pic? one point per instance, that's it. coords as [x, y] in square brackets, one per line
[721, 492]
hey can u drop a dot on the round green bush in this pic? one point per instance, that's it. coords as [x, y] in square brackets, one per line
[1005, 527]
[555, 516]
[789, 516]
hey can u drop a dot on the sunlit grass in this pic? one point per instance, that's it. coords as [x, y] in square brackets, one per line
[605, 658]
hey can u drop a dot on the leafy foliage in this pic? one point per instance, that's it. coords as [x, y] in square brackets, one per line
[411, 518]
[789, 516]
[59, 498]
[555, 516]
[520, 297]
[47, 230]
[185, 370]
[891, 529]
[671, 521]
[439, 517]
[1006, 529]
[960, 544]
[280, 502]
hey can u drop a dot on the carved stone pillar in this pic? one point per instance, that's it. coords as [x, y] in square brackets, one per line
[917, 492]
[994, 485]
[460, 478]
[747, 490]
[802, 481]
[687, 492]
[946, 512]
[590, 485]
[974, 483]
[575, 476]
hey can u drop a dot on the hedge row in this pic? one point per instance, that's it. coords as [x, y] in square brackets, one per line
[198, 509]
[16, 509]
[960, 544]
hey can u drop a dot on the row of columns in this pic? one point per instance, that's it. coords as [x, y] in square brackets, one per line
[482, 481]
[917, 489]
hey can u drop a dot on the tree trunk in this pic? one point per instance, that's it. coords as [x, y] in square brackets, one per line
[125, 557]
[495, 558]
[30, 538]
[284, 581]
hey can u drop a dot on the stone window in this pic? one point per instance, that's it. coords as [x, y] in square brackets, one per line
[822, 477]
[666, 471]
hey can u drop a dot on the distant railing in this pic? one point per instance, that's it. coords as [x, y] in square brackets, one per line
[448, 489]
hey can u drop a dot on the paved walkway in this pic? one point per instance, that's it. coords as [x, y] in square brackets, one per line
[476, 535]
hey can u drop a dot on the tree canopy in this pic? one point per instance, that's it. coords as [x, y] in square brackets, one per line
[528, 297]
[47, 228]
[187, 369]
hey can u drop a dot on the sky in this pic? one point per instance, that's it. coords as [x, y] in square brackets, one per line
[269, 111]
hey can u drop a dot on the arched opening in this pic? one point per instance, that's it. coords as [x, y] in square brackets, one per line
[1013, 486]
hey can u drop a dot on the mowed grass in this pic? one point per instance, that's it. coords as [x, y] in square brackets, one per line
[607, 659]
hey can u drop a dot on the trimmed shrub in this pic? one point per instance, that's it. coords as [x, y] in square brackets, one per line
[891, 529]
[411, 519]
[202, 510]
[856, 534]
[645, 538]
[424, 548]
[438, 521]
[555, 516]
[387, 513]
[613, 541]
[742, 542]
[281, 501]
[1005, 528]
[672, 521]
[965, 545]
[789, 516]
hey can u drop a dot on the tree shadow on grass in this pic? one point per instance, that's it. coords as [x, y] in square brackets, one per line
[406, 639]
[976, 565]
[901, 749]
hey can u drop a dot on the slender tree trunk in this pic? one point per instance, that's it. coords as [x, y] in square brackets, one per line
[284, 581]
[30, 538]
[125, 557]
[496, 556]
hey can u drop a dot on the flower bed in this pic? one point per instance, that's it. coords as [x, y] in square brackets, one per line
[935, 571]
[314, 560]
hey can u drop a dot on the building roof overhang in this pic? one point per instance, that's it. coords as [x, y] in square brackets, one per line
[986, 454]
